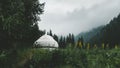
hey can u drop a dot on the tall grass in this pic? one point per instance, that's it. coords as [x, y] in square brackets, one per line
[70, 57]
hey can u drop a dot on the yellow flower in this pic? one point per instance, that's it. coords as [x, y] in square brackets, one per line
[107, 45]
[80, 44]
[103, 45]
[116, 47]
[95, 46]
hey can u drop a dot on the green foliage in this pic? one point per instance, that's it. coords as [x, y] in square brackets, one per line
[65, 41]
[60, 58]
[18, 21]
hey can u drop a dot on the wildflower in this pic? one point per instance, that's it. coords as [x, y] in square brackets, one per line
[103, 45]
[116, 47]
[95, 46]
[107, 46]
[80, 44]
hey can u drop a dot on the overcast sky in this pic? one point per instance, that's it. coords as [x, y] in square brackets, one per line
[75, 16]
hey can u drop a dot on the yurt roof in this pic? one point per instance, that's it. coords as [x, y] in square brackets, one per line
[46, 41]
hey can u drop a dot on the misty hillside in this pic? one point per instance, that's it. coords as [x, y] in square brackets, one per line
[109, 34]
[88, 35]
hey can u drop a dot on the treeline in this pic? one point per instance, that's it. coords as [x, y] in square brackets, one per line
[66, 41]
[18, 22]
[89, 34]
[63, 41]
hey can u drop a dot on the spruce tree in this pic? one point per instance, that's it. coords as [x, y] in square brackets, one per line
[18, 21]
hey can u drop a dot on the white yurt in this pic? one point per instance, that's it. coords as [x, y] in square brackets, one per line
[46, 41]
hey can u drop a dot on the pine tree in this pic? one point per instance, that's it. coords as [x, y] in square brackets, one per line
[51, 34]
[60, 42]
[18, 20]
[55, 37]
[73, 40]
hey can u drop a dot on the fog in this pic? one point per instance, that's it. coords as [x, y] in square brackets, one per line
[75, 16]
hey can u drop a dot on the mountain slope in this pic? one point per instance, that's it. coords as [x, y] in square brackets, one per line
[88, 35]
[110, 34]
